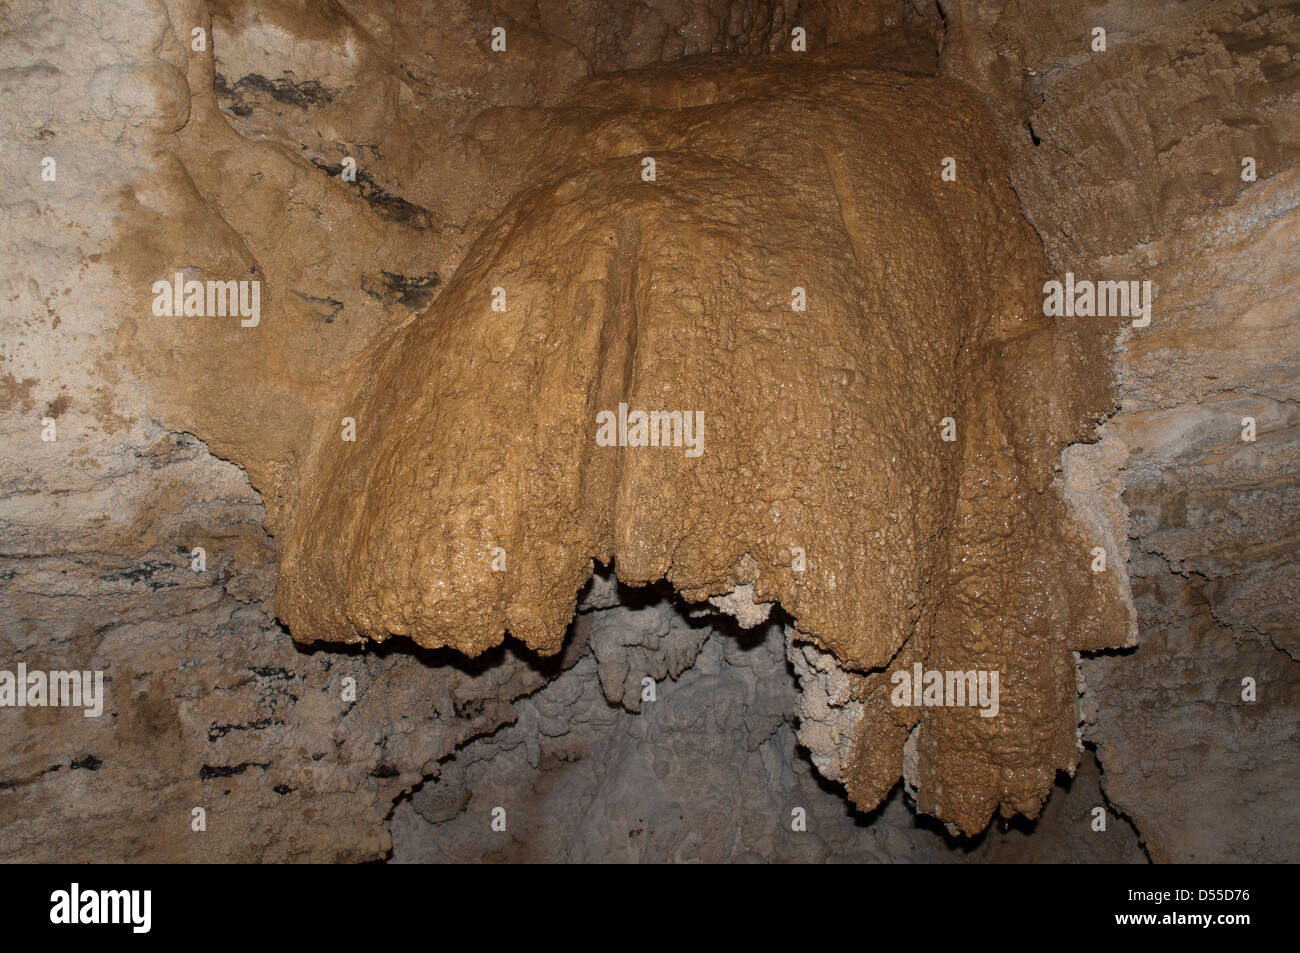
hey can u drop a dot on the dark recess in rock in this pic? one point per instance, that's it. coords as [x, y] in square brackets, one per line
[409, 291]
[305, 94]
[387, 205]
[209, 771]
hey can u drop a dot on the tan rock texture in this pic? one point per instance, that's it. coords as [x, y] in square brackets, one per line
[1130, 162]
[821, 428]
[521, 170]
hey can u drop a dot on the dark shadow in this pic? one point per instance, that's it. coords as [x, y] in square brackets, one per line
[510, 649]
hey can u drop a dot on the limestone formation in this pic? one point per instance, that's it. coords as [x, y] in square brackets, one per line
[331, 544]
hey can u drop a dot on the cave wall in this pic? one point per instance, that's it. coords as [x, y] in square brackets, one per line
[707, 771]
[1126, 162]
[1131, 162]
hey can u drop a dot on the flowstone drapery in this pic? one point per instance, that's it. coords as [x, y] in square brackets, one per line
[743, 331]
